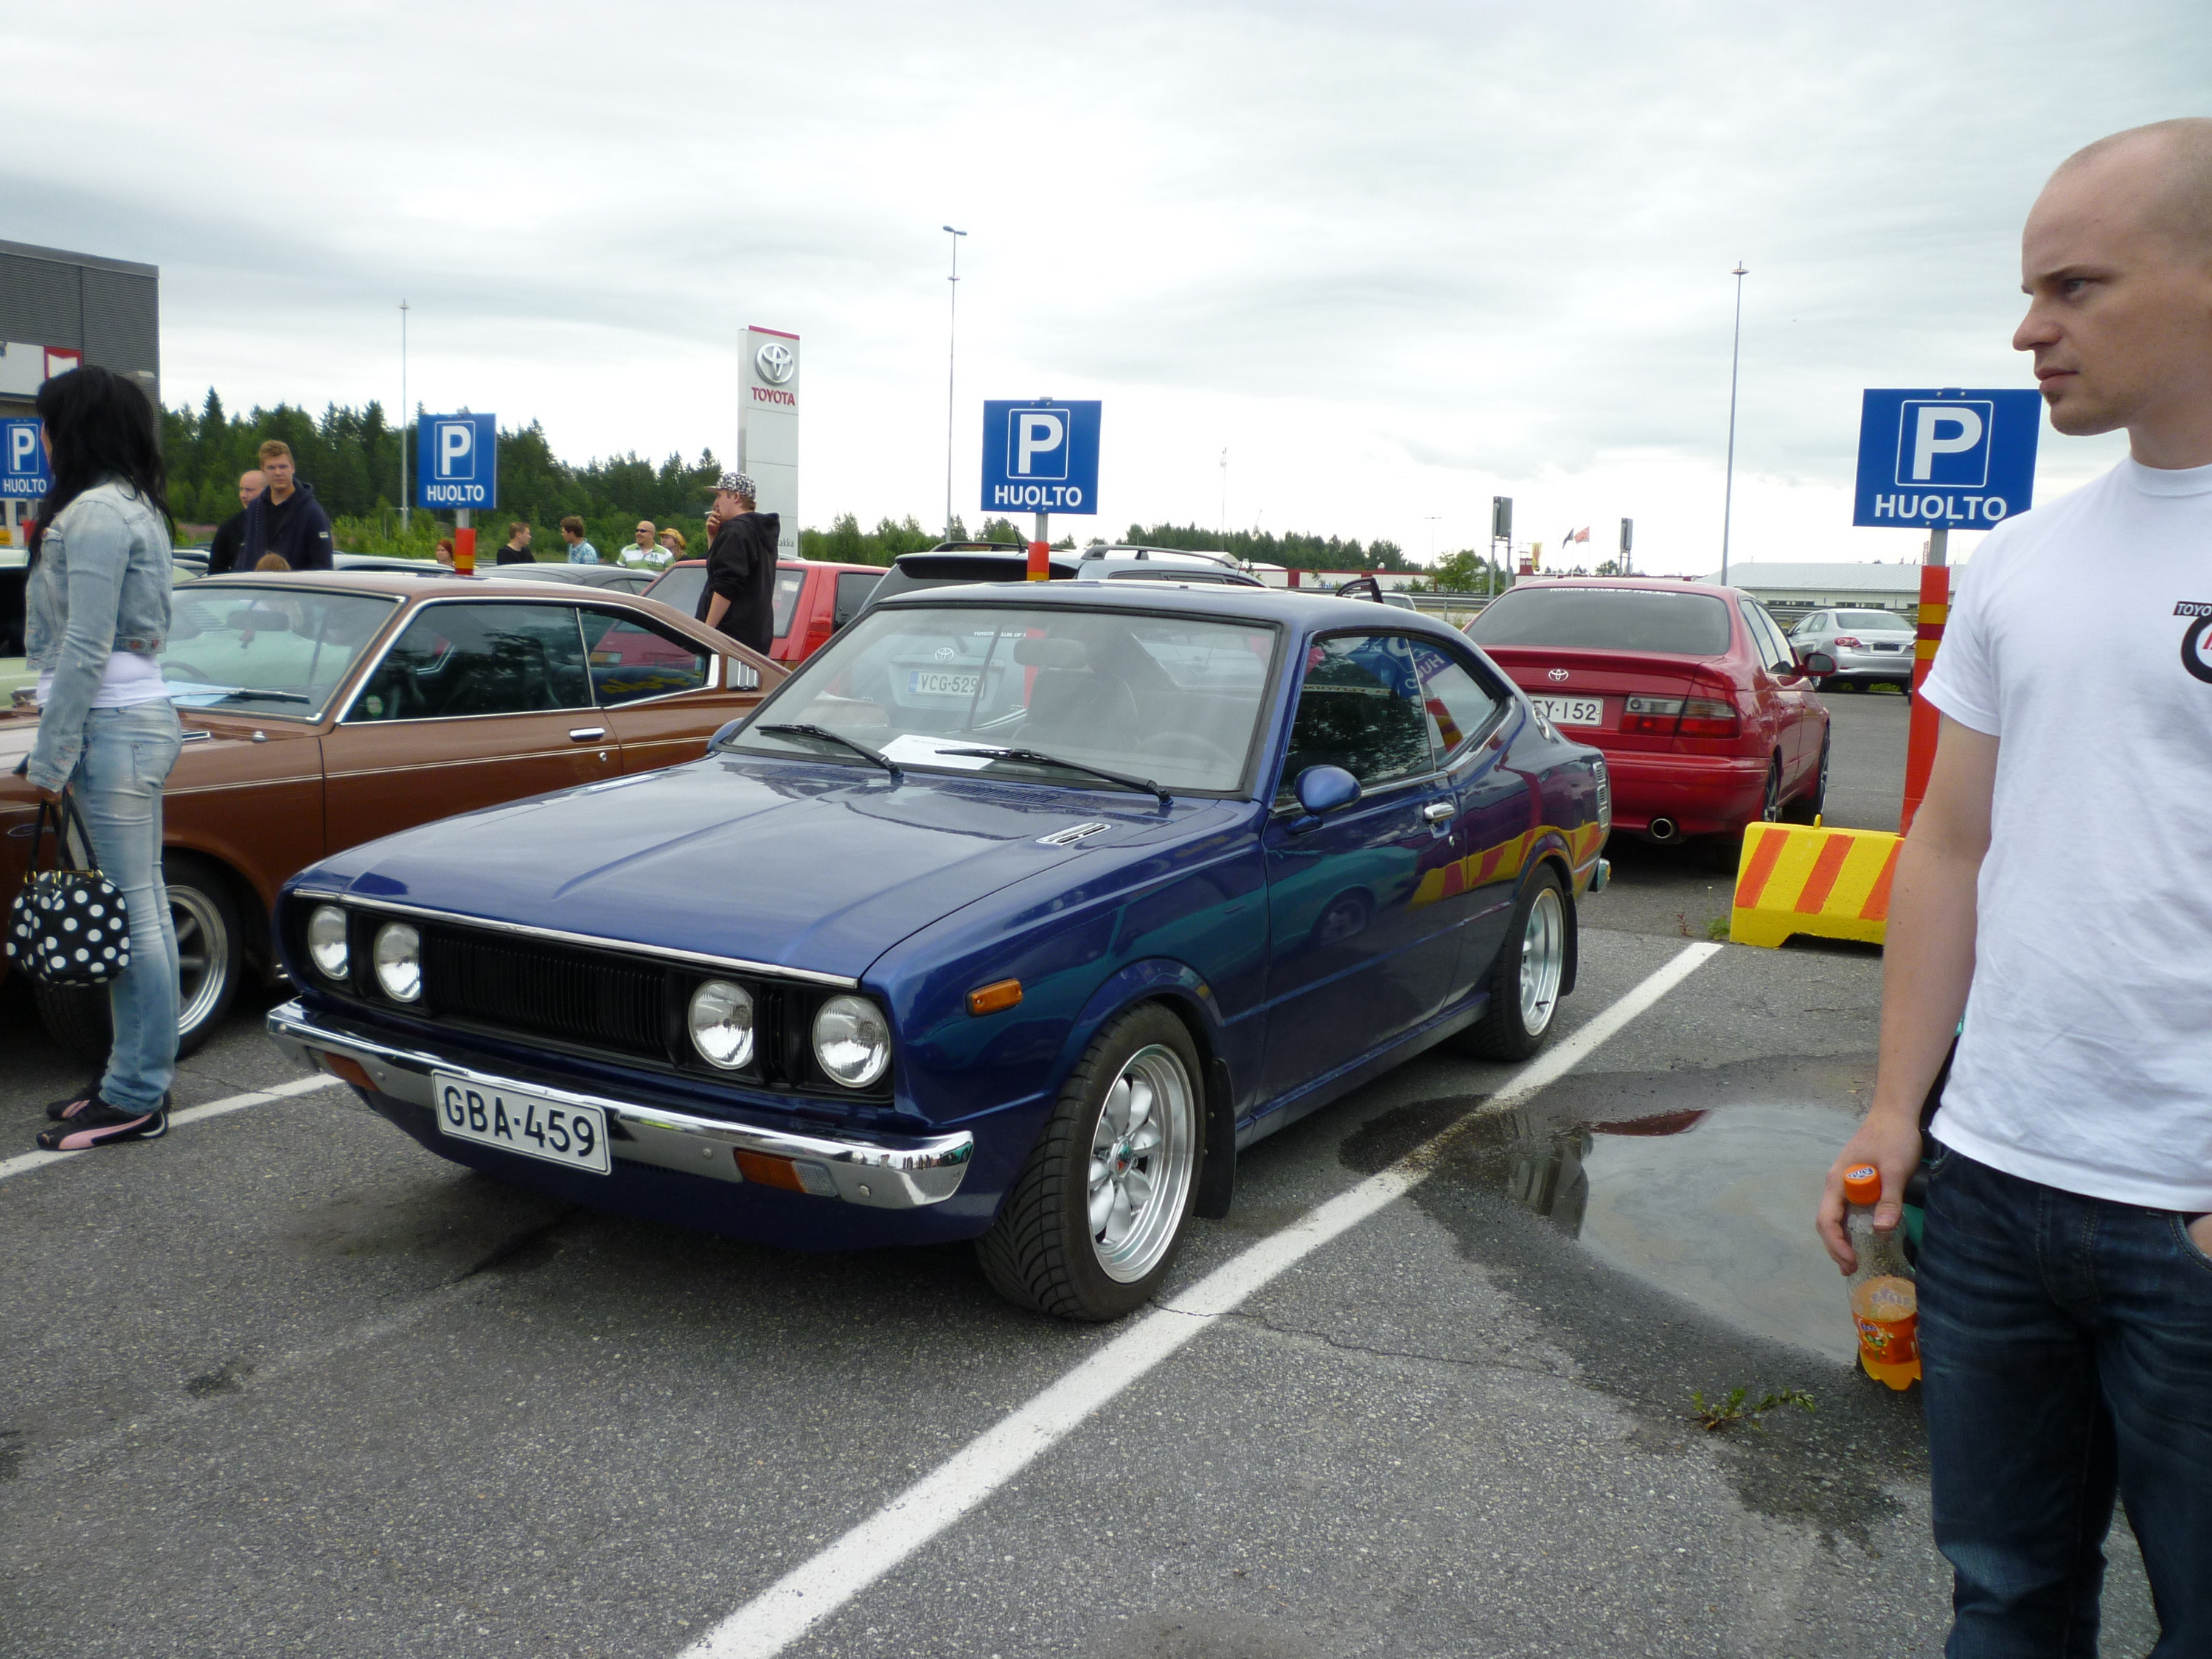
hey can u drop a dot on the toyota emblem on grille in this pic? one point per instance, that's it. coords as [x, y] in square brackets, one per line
[776, 362]
[1559, 673]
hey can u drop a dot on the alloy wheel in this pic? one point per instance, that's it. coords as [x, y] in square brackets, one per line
[203, 947]
[1143, 1153]
[1543, 961]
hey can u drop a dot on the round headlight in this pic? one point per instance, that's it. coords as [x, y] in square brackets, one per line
[853, 1040]
[722, 1021]
[326, 941]
[398, 956]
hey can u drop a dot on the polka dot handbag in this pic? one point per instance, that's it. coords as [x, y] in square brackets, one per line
[68, 927]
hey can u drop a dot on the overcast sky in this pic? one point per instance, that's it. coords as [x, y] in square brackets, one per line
[1396, 259]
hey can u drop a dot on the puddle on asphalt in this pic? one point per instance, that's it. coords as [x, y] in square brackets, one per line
[1714, 1206]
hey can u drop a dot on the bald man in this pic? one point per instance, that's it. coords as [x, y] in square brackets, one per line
[2055, 893]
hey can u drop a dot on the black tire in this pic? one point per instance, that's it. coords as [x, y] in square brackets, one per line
[1513, 1028]
[1814, 801]
[1042, 1252]
[211, 947]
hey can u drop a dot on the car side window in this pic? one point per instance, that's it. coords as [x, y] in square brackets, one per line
[853, 587]
[1767, 639]
[785, 599]
[632, 658]
[1360, 708]
[1459, 706]
[454, 660]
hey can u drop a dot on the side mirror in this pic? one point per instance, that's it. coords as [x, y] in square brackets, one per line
[1322, 789]
[1819, 664]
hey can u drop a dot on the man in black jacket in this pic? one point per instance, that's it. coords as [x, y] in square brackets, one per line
[739, 597]
[230, 534]
[286, 519]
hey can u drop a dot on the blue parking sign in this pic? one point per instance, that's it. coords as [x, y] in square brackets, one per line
[1947, 460]
[456, 460]
[23, 474]
[1041, 456]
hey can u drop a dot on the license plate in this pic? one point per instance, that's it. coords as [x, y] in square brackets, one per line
[516, 1121]
[940, 682]
[1885, 645]
[1572, 711]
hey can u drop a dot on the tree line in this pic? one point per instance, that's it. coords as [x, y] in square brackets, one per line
[351, 458]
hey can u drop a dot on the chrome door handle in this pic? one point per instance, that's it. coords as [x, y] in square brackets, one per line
[587, 733]
[1437, 810]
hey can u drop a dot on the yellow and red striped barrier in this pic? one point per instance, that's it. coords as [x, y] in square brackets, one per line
[1799, 878]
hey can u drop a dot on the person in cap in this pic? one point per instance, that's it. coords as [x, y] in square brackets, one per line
[738, 598]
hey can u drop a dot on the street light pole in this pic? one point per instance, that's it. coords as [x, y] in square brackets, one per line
[951, 363]
[1735, 357]
[403, 418]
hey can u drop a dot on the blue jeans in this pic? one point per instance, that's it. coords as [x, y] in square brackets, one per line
[127, 753]
[2066, 1348]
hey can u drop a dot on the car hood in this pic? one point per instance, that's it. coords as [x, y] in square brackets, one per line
[794, 863]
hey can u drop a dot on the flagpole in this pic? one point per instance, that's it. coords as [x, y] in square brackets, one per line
[1735, 357]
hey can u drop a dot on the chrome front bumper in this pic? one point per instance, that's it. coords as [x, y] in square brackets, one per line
[880, 1174]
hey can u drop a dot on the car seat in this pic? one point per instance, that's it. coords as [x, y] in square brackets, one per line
[1071, 703]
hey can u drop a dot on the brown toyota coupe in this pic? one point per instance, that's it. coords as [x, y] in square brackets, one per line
[325, 709]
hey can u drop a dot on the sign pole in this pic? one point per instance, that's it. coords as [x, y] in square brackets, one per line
[465, 544]
[1041, 550]
[1934, 611]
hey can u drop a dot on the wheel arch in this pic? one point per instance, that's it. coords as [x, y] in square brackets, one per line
[1184, 993]
[253, 917]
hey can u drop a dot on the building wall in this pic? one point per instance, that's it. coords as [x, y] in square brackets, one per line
[109, 309]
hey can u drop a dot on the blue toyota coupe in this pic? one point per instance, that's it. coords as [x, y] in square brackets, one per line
[1012, 916]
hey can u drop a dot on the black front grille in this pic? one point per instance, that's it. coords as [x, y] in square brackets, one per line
[583, 996]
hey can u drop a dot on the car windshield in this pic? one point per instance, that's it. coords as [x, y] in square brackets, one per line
[1171, 699]
[266, 651]
[1872, 622]
[680, 587]
[1606, 619]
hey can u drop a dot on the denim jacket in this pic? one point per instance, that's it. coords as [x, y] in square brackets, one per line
[101, 586]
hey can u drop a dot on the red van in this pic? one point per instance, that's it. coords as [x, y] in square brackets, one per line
[813, 599]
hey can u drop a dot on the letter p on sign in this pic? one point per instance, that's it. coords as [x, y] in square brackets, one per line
[22, 447]
[1944, 442]
[456, 441]
[1039, 441]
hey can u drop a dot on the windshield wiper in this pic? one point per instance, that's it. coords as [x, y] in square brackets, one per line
[860, 749]
[245, 691]
[1034, 758]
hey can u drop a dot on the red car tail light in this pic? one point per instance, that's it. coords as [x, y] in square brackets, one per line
[1652, 716]
[1707, 717]
[1851, 640]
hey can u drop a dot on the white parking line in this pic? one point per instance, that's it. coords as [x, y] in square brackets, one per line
[816, 1587]
[29, 1161]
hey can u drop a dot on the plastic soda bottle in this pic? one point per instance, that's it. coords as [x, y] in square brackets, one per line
[1885, 1305]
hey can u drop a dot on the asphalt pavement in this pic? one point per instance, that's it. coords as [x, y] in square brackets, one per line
[285, 1382]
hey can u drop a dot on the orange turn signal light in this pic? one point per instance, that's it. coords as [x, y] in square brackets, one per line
[346, 1069]
[995, 998]
[792, 1175]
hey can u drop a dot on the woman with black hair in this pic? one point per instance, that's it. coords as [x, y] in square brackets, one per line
[96, 610]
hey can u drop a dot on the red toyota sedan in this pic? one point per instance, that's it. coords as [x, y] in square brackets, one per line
[1706, 718]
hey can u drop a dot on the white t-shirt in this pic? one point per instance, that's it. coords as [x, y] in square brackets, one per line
[2080, 640]
[131, 678]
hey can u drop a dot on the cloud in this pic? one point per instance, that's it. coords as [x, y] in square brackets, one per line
[1396, 258]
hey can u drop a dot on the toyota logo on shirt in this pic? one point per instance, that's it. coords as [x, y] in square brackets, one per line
[776, 361]
[1559, 673]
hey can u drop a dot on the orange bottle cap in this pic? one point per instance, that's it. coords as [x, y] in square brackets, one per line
[1862, 1185]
